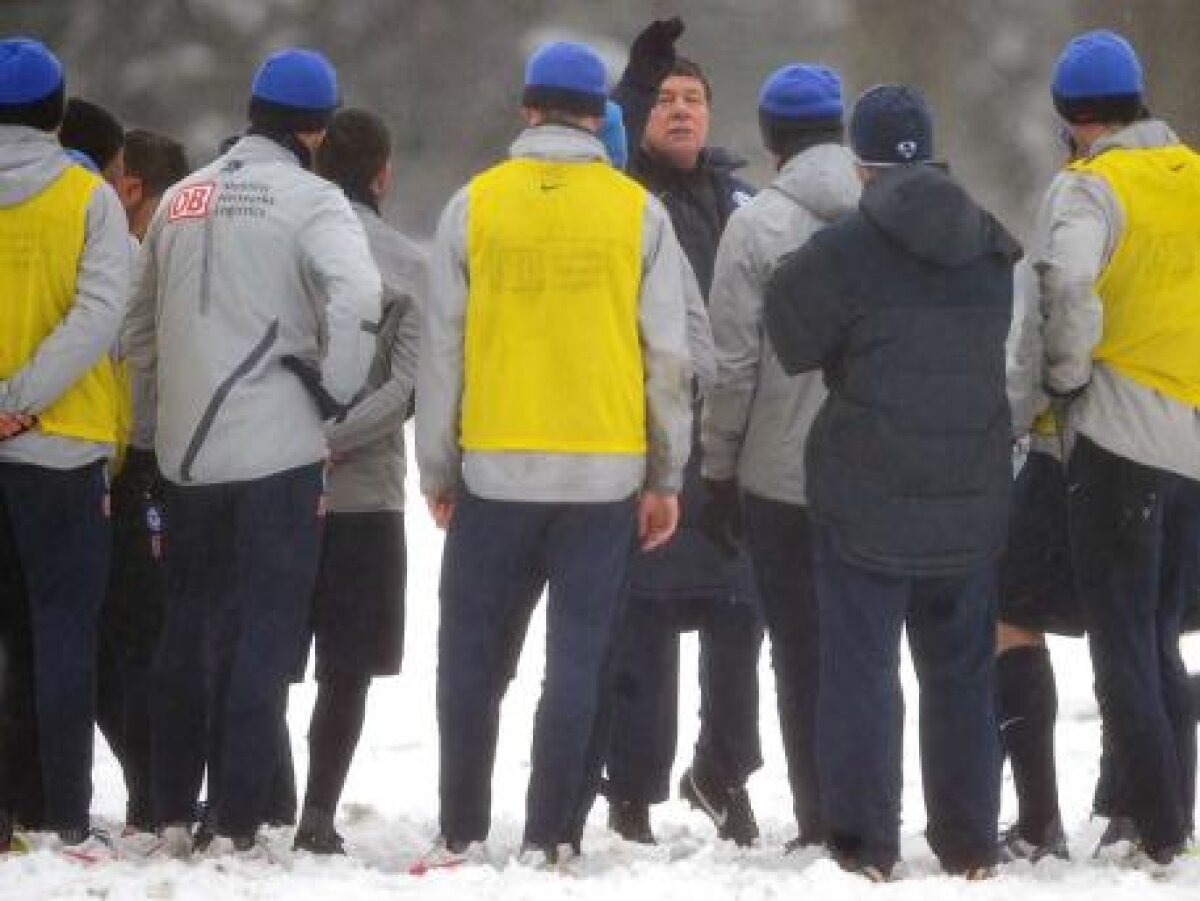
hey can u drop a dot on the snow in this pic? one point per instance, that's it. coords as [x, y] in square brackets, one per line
[389, 812]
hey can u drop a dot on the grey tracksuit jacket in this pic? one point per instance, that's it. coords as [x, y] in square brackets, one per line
[555, 477]
[30, 160]
[1083, 225]
[247, 260]
[368, 473]
[757, 418]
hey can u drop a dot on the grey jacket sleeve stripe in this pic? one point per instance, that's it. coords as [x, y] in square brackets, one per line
[382, 411]
[93, 322]
[439, 376]
[662, 319]
[335, 249]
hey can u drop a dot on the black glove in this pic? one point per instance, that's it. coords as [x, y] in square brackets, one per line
[140, 471]
[721, 517]
[310, 378]
[652, 53]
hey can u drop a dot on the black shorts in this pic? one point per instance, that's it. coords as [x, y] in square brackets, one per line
[1036, 578]
[358, 606]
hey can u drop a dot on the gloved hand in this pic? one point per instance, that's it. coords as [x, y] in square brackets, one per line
[310, 378]
[652, 53]
[721, 517]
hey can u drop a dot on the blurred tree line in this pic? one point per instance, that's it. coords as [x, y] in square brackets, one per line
[446, 74]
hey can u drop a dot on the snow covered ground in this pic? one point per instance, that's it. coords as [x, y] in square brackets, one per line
[389, 811]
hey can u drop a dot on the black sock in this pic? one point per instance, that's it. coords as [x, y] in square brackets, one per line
[1026, 707]
[332, 738]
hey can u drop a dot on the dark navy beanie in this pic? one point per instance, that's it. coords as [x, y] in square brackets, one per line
[567, 76]
[796, 100]
[31, 84]
[294, 90]
[1097, 78]
[891, 126]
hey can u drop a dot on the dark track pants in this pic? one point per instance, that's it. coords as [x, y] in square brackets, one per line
[497, 554]
[1135, 540]
[54, 525]
[860, 710]
[779, 538]
[240, 576]
[645, 695]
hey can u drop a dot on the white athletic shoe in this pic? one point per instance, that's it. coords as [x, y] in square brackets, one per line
[90, 846]
[448, 855]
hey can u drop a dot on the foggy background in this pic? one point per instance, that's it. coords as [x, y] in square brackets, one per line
[446, 74]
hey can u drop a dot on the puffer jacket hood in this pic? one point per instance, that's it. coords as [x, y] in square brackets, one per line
[928, 214]
[29, 160]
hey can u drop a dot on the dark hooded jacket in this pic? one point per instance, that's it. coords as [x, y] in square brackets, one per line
[905, 306]
[700, 201]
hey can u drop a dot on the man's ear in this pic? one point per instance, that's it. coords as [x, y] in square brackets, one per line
[131, 191]
[381, 184]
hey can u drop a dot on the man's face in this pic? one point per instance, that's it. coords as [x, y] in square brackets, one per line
[678, 126]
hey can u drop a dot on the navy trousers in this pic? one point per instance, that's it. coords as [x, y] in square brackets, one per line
[130, 627]
[645, 695]
[498, 555]
[56, 529]
[779, 537]
[240, 576]
[951, 625]
[1135, 541]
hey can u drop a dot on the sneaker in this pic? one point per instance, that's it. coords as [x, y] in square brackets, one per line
[87, 846]
[174, 843]
[728, 808]
[11, 841]
[1120, 840]
[802, 842]
[318, 837]
[631, 821]
[869, 871]
[978, 873]
[446, 854]
[546, 857]
[138, 843]
[1014, 846]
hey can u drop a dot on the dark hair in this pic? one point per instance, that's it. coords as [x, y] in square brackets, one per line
[91, 129]
[1118, 109]
[688, 68]
[356, 147]
[45, 113]
[790, 137]
[280, 119]
[157, 160]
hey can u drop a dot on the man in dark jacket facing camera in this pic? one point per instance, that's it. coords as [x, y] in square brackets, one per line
[904, 306]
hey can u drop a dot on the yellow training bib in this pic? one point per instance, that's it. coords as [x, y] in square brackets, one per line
[1151, 286]
[552, 356]
[41, 243]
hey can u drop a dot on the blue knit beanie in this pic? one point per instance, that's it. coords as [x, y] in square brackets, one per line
[31, 84]
[567, 76]
[1097, 78]
[797, 101]
[801, 91]
[295, 89]
[612, 135]
[891, 126]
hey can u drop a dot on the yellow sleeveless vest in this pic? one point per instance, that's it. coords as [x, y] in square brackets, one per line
[552, 354]
[1151, 286]
[41, 242]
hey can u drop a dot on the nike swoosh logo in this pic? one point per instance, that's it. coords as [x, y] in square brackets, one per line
[546, 187]
[1011, 721]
